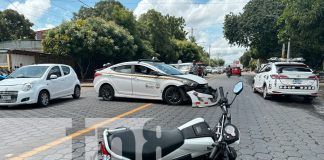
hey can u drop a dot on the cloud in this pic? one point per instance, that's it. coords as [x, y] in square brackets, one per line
[46, 27]
[31, 9]
[206, 19]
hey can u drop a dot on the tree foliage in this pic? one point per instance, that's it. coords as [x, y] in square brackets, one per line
[84, 39]
[14, 26]
[256, 27]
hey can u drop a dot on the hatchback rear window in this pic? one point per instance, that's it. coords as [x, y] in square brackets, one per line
[292, 68]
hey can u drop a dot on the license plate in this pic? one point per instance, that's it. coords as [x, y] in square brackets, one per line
[297, 81]
[6, 98]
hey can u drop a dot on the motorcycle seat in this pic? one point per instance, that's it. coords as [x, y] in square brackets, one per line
[167, 141]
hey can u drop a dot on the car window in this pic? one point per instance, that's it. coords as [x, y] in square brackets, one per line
[66, 70]
[29, 72]
[123, 69]
[292, 68]
[142, 70]
[56, 71]
[166, 68]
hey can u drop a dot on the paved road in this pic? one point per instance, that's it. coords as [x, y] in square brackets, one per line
[277, 129]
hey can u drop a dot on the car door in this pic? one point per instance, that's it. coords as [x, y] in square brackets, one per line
[259, 77]
[122, 79]
[55, 85]
[144, 83]
[68, 80]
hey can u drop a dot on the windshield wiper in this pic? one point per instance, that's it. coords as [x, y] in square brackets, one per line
[23, 77]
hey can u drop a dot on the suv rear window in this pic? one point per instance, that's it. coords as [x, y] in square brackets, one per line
[292, 68]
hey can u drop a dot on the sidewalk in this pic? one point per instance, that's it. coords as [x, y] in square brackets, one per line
[86, 84]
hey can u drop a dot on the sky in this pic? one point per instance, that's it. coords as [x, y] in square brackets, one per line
[204, 18]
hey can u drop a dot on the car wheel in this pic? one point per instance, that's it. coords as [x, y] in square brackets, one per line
[265, 92]
[253, 89]
[43, 98]
[77, 92]
[107, 92]
[172, 96]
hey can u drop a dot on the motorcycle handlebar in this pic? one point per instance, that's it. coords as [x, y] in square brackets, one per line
[213, 153]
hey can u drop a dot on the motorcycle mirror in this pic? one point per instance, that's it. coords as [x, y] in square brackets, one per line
[238, 88]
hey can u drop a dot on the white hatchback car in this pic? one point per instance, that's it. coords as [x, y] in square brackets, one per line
[153, 80]
[286, 78]
[39, 84]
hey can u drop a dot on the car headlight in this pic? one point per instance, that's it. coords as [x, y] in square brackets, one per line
[189, 83]
[27, 87]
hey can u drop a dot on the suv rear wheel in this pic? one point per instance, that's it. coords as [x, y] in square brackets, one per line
[265, 92]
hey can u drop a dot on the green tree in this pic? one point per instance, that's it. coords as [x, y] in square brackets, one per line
[246, 58]
[14, 26]
[112, 10]
[303, 22]
[187, 51]
[86, 39]
[256, 27]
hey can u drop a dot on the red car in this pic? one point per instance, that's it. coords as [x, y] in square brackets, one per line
[236, 71]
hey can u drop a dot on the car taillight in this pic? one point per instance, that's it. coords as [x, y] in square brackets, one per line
[97, 74]
[278, 76]
[313, 77]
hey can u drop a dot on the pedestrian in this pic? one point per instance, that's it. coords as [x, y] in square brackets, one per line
[194, 68]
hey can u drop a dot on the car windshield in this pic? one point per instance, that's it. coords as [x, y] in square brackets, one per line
[29, 72]
[168, 69]
[292, 68]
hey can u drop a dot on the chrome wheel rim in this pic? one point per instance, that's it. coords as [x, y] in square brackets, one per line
[44, 98]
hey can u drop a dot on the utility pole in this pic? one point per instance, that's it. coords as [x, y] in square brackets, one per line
[209, 55]
[283, 51]
[288, 50]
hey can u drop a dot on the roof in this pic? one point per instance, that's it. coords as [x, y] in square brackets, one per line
[289, 63]
[47, 64]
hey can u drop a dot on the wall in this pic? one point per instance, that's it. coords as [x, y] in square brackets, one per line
[17, 59]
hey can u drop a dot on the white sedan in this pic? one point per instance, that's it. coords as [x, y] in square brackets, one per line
[39, 84]
[153, 80]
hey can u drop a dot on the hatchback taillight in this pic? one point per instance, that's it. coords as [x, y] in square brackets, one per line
[278, 76]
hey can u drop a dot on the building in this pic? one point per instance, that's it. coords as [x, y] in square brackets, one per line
[14, 54]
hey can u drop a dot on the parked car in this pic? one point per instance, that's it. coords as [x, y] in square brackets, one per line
[3, 73]
[286, 78]
[153, 80]
[209, 69]
[185, 67]
[236, 71]
[39, 84]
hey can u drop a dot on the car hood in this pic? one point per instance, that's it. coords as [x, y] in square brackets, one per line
[193, 78]
[17, 81]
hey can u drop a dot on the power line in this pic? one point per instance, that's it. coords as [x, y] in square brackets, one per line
[84, 3]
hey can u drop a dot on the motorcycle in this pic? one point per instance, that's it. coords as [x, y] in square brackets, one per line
[193, 140]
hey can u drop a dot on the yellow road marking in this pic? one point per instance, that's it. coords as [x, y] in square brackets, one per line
[76, 134]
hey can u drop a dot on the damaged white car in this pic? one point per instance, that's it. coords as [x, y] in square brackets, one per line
[145, 79]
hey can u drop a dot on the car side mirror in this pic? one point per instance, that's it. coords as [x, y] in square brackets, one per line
[238, 88]
[53, 76]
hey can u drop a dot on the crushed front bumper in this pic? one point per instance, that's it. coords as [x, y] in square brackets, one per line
[202, 96]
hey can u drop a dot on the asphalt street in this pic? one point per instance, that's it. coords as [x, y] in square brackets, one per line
[280, 128]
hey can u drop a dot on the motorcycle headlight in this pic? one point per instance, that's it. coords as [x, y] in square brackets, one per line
[190, 83]
[27, 87]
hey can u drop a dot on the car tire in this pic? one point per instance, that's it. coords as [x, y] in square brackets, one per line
[172, 96]
[265, 92]
[107, 92]
[43, 98]
[77, 92]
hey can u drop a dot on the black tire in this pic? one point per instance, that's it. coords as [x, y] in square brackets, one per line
[264, 92]
[77, 92]
[107, 92]
[253, 88]
[173, 96]
[43, 98]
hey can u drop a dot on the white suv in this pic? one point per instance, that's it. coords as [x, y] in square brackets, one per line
[286, 78]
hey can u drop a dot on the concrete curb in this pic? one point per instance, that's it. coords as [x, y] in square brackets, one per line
[87, 85]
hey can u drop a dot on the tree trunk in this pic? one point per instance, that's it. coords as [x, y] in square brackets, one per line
[83, 72]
